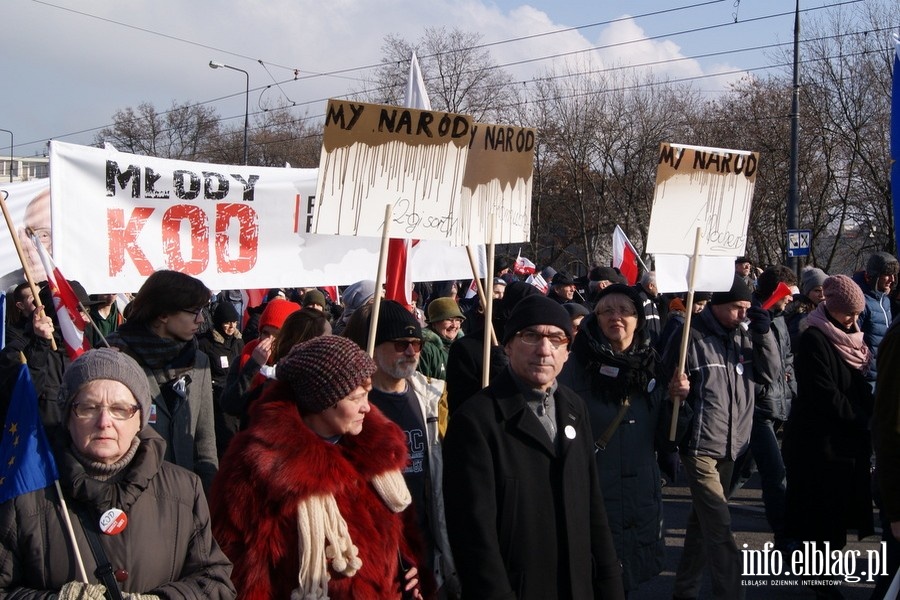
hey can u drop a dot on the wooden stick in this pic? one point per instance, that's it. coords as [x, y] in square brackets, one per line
[379, 279]
[28, 276]
[68, 520]
[488, 308]
[686, 332]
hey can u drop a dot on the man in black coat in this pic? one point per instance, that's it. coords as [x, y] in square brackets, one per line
[524, 509]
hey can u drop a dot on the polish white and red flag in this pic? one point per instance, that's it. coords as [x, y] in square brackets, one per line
[539, 282]
[624, 256]
[71, 323]
[398, 276]
[523, 266]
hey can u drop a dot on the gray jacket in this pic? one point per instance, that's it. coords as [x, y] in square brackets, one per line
[773, 400]
[722, 367]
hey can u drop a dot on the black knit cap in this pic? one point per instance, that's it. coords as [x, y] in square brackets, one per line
[631, 294]
[536, 310]
[324, 370]
[225, 313]
[395, 322]
[739, 292]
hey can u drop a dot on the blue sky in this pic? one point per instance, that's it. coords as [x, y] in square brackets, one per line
[70, 64]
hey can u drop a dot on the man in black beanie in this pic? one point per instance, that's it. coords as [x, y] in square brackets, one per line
[524, 509]
[725, 358]
[414, 402]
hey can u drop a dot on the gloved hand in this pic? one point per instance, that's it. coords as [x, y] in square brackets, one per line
[78, 590]
[130, 596]
[760, 321]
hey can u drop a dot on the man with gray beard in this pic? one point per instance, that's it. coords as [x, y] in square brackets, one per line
[411, 400]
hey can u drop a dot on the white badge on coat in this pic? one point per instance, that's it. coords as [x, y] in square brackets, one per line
[609, 370]
[570, 432]
[113, 522]
[739, 368]
[651, 385]
[223, 362]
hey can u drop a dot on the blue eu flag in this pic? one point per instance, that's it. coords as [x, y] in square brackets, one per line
[26, 462]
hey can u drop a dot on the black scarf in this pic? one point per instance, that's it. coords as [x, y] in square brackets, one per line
[614, 375]
[168, 359]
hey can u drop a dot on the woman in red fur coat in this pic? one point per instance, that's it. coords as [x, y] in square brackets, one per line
[311, 494]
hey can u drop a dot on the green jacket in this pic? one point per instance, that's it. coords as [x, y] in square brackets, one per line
[433, 359]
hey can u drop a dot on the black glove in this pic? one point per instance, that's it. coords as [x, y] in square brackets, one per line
[760, 321]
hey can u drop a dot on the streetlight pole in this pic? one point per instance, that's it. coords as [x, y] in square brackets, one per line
[793, 207]
[217, 65]
[11, 144]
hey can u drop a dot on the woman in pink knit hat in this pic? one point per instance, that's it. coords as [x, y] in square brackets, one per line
[827, 445]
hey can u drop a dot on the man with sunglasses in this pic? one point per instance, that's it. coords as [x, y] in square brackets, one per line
[524, 509]
[411, 399]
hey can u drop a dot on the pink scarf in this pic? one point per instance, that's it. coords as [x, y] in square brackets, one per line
[849, 346]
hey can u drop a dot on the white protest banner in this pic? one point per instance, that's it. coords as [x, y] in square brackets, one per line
[28, 203]
[375, 155]
[118, 217]
[706, 188]
[497, 182]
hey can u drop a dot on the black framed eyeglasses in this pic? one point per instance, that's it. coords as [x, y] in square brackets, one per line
[196, 312]
[119, 412]
[402, 345]
[533, 338]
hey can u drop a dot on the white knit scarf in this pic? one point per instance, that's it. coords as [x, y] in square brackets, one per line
[323, 536]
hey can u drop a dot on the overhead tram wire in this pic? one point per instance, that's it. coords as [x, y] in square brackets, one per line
[500, 66]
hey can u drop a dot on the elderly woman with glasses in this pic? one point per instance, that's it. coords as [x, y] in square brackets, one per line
[160, 336]
[148, 518]
[615, 369]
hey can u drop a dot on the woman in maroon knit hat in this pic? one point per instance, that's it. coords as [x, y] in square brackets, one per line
[312, 491]
[827, 446]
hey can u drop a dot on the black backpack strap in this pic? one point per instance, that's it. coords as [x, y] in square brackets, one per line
[104, 571]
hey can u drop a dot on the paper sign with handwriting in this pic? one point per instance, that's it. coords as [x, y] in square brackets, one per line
[709, 188]
[497, 183]
[374, 155]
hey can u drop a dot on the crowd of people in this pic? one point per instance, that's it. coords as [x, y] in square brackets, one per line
[261, 453]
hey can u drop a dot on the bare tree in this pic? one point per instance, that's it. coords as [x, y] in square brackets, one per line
[460, 75]
[181, 132]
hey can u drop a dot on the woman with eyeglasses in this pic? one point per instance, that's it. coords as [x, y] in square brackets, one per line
[615, 369]
[148, 518]
[160, 335]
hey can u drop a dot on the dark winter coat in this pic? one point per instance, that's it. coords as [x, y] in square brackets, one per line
[627, 467]
[886, 424]
[188, 426]
[279, 461]
[221, 351]
[465, 367]
[722, 367]
[526, 520]
[827, 446]
[773, 400]
[167, 548]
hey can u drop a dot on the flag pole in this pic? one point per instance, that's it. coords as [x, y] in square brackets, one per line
[68, 520]
[28, 276]
[686, 332]
[379, 280]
